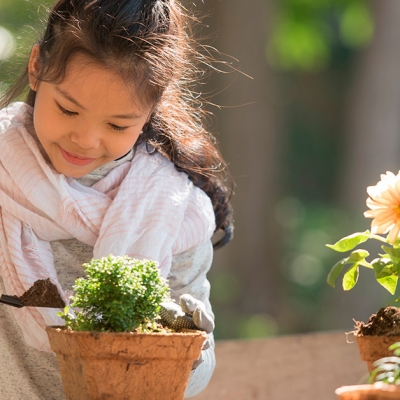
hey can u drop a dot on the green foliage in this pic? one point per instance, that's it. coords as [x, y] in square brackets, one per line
[356, 24]
[387, 369]
[306, 31]
[25, 21]
[119, 294]
[351, 241]
[386, 266]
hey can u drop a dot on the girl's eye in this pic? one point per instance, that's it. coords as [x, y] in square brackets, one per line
[67, 112]
[118, 128]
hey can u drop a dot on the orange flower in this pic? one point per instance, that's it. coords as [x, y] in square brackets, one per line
[384, 204]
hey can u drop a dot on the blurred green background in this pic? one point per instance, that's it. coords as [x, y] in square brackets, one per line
[307, 115]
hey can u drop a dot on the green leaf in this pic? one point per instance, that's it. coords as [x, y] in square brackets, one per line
[385, 274]
[63, 313]
[358, 255]
[379, 266]
[350, 242]
[350, 277]
[355, 258]
[389, 283]
[393, 252]
[336, 270]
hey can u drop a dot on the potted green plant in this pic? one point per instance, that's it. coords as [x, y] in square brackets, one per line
[383, 383]
[383, 328]
[113, 346]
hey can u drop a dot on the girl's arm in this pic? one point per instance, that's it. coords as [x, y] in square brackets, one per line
[189, 276]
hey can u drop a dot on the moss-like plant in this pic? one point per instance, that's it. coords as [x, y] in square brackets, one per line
[119, 294]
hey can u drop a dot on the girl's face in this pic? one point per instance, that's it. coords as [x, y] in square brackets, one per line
[87, 120]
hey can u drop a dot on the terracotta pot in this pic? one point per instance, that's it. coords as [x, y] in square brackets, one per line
[372, 348]
[122, 366]
[377, 391]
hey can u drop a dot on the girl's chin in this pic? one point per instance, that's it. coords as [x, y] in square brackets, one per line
[72, 171]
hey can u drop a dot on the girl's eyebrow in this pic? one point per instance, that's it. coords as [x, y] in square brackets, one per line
[69, 97]
[76, 102]
[127, 116]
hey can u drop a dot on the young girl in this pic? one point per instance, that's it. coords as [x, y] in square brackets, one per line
[107, 155]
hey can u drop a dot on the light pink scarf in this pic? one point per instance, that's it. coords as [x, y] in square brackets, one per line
[144, 209]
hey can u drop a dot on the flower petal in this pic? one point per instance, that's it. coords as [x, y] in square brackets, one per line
[384, 205]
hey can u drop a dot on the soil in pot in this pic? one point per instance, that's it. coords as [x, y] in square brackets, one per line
[375, 336]
[385, 322]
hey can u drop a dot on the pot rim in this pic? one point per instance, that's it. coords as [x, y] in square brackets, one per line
[183, 332]
[377, 386]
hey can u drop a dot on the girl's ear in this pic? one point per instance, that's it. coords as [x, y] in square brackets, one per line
[34, 67]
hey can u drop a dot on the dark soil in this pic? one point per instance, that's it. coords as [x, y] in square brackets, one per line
[43, 293]
[386, 322]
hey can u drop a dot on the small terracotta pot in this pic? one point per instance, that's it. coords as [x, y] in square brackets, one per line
[377, 391]
[372, 348]
[122, 366]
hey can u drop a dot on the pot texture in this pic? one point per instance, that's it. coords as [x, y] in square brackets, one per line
[122, 366]
[372, 348]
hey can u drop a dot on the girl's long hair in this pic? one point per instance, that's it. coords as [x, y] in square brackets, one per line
[151, 46]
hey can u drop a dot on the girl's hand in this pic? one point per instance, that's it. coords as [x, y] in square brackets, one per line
[190, 314]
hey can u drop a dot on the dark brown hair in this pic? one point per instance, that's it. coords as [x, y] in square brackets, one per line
[150, 45]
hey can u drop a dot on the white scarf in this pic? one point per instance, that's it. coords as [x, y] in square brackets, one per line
[144, 209]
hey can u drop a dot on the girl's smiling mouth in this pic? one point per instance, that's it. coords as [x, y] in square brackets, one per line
[76, 160]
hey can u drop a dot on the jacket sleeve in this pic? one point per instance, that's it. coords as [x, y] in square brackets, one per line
[189, 275]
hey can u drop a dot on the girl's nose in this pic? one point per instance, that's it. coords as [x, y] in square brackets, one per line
[86, 138]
